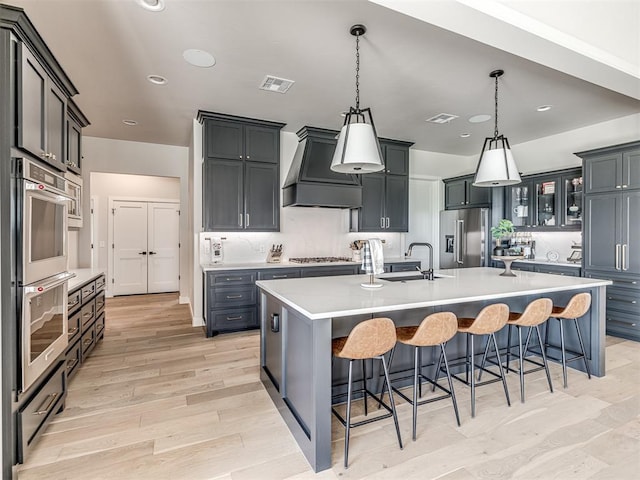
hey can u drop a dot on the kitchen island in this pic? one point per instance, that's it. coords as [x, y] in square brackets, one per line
[300, 316]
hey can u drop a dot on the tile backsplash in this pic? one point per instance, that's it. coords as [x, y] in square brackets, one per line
[304, 232]
[555, 241]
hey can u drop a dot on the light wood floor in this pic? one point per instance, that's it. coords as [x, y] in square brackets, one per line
[157, 400]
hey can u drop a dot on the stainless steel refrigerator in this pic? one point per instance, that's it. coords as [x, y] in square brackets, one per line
[464, 238]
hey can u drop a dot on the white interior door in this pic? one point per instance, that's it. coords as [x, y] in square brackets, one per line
[129, 248]
[164, 247]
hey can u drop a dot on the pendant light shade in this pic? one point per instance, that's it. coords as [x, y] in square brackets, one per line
[496, 166]
[358, 150]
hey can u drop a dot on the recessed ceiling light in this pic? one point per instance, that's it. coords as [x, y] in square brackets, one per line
[152, 5]
[465, 135]
[130, 123]
[198, 58]
[479, 118]
[544, 108]
[157, 79]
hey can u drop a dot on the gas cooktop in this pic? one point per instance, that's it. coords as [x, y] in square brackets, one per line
[319, 259]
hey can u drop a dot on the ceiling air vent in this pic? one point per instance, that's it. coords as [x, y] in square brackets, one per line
[275, 84]
[442, 118]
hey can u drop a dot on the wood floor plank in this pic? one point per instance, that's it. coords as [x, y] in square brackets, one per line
[157, 400]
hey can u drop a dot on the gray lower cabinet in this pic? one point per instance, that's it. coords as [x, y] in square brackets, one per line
[231, 296]
[611, 234]
[86, 305]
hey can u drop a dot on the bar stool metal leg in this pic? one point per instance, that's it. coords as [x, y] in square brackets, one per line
[453, 395]
[564, 355]
[364, 386]
[544, 358]
[416, 388]
[391, 400]
[521, 366]
[473, 378]
[504, 380]
[584, 353]
[348, 424]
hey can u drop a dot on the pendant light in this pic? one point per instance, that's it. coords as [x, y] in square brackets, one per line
[358, 150]
[496, 166]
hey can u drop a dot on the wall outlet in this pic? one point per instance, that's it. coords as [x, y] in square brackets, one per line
[262, 248]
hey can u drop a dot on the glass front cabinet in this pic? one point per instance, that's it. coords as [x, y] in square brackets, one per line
[549, 201]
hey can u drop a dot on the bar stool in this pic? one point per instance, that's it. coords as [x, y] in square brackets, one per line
[436, 329]
[536, 313]
[576, 308]
[368, 339]
[490, 319]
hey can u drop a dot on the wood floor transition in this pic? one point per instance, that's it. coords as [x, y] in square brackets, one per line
[158, 400]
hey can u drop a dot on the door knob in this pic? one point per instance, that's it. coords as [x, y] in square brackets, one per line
[142, 253]
[152, 253]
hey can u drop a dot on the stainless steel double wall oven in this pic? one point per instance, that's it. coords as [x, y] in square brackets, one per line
[41, 204]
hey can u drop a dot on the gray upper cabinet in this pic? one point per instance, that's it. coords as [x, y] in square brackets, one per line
[611, 171]
[385, 195]
[241, 173]
[42, 110]
[602, 214]
[75, 122]
[459, 192]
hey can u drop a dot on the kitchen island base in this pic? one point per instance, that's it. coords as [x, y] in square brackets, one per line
[296, 366]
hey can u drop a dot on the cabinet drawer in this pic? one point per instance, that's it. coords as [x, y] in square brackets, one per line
[99, 303]
[75, 326]
[88, 291]
[99, 327]
[228, 297]
[623, 300]
[232, 319]
[87, 342]
[73, 359]
[87, 315]
[623, 325]
[329, 271]
[35, 414]
[100, 282]
[558, 270]
[73, 300]
[279, 273]
[231, 278]
[621, 280]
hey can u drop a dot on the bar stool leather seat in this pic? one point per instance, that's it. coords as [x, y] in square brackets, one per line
[369, 339]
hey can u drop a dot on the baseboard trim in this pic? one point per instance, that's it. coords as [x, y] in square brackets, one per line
[183, 300]
[197, 321]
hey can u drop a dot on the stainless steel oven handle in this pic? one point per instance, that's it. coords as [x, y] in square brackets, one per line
[48, 285]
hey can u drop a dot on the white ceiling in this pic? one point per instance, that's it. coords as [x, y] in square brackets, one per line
[410, 69]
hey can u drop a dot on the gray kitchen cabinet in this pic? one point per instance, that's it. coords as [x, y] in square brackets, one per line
[330, 271]
[42, 110]
[230, 301]
[240, 173]
[385, 195]
[557, 270]
[75, 122]
[611, 238]
[459, 192]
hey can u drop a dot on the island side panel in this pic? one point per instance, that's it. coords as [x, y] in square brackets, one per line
[296, 372]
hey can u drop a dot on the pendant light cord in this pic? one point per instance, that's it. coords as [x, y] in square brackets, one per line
[358, 73]
[495, 132]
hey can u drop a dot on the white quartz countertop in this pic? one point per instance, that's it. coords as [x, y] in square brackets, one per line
[206, 267]
[83, 275]
[325, 297]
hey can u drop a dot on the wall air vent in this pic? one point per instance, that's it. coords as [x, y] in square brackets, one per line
[442, 118]
[275, 84]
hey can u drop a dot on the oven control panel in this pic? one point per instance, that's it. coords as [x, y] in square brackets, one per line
[42, 175]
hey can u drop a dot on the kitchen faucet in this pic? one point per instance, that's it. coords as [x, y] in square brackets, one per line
[428, 274]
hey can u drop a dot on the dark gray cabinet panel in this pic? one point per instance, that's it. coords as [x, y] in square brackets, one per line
[397, 203]
[261, 193]
[231, 301]
[460, 193]
[56, 126]
[396, 158]
[262, 144]
[329, 271]
[630, 232]
[602, 232]
[223, 140]
[631, 169]
[603, 173]
[371, 215]
[74, 146]
[223, 195]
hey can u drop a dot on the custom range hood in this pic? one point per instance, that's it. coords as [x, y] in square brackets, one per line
[311, 182]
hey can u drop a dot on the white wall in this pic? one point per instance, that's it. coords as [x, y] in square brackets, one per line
[105, 186]
[135, 158]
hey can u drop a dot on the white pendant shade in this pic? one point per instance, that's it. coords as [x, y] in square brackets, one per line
[496, 168]
[360, 154]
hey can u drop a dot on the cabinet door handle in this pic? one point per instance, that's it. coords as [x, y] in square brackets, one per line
[616, 299]
[248, 157]
[43, 410]
[239, 317]
[142, 253]
[611, 320]
[71, 364]
[279, 276]
[618, 186]
[617, 256]
[233, 297]
[247, 222]
[87, 315]
[233, 279]
[72, 331]
[87, 342]
[623, 186]
[240, 217]
[624, 257]
[616, 280]
[381, 222]
[387, 226]
[153, 253]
